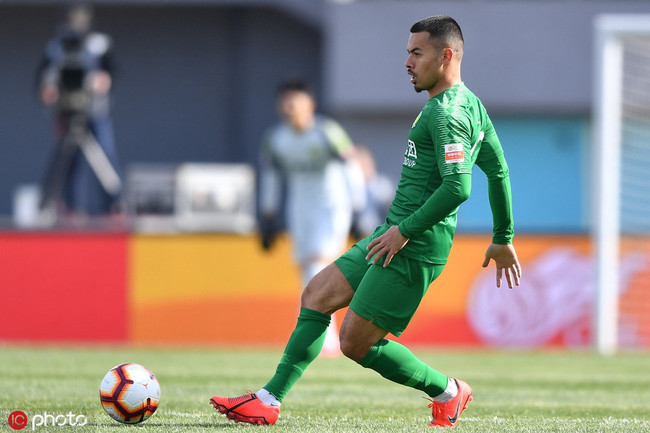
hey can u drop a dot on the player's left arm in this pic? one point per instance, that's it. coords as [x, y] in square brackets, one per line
[492, 162]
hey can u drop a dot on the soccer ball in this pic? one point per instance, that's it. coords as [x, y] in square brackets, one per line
[130, 393]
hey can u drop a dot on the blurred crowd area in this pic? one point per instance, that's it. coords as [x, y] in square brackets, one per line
[194, 90]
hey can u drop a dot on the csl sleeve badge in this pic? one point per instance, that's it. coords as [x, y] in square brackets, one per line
[454, 152]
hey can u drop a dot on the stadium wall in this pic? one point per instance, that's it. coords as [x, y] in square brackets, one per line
[223, 289]
[196, 82]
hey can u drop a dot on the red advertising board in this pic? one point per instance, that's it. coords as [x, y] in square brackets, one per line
[193, 289]
[63, 287]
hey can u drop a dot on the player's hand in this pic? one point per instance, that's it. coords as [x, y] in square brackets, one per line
[505, 258]
[387, 245]
[100, 82]
[49, 95]
[268, 231]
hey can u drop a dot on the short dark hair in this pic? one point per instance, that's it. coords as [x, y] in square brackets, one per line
[295, 85]
[441, 27]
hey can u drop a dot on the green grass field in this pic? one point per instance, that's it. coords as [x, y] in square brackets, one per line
[513, 391]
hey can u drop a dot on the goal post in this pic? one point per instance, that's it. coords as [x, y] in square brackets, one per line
[621, 170]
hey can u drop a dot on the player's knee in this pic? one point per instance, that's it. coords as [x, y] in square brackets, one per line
[310, 296]
[347, 346]
[317, 297]
[327, 292]
[351, 348]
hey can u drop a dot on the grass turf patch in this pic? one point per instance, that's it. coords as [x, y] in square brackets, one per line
[513, 391]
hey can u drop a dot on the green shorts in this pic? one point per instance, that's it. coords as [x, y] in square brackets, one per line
[388, 295]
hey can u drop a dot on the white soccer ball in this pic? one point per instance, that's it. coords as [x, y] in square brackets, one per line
[129, 393]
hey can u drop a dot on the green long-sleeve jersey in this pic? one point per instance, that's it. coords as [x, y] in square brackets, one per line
[452, 133]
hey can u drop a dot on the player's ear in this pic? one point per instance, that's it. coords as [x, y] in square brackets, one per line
[314, 104]
[447, 55]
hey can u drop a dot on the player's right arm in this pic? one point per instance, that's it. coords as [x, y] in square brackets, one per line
[444, 128]
[453, 191]
[269, 194]
[46, 80]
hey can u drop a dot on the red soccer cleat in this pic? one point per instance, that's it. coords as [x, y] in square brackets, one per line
[446, 414]
[247, 408]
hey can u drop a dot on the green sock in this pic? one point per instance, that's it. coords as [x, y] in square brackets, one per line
[303, 347]
[395, 362]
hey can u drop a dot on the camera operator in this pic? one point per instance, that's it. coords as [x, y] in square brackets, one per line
[75, 77]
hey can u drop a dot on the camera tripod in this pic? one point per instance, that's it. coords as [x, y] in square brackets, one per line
[77, 137]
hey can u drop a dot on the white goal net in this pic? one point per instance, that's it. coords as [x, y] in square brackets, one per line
[622, 182]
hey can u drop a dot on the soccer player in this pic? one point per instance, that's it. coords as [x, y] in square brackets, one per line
[384, 276]
[316, 158]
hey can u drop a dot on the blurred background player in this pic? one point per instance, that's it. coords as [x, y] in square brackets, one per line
[379, 190]
[312, 158]
[75, 76]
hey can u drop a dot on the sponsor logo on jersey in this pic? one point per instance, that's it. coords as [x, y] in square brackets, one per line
[411, 154]
[411, 151]
[409, 162]
[454, 152]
